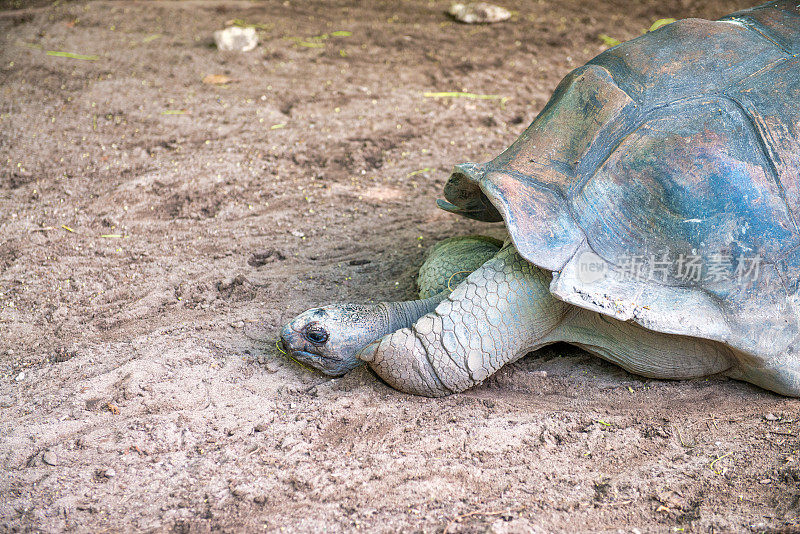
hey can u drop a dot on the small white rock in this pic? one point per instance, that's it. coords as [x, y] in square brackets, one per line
[297, 233]
[237, 324]
[20, 377]
[236, 39]
[479, 13]
[771, 417]
[49, 457]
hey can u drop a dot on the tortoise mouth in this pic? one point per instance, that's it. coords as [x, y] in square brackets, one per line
[305, 355]
[327, 365]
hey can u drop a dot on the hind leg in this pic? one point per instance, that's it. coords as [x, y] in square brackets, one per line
[779, 375]
[642, 351]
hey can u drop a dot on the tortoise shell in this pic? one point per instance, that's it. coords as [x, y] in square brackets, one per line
[675, 153]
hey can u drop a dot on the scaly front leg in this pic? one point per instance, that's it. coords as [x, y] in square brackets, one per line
[498, 314]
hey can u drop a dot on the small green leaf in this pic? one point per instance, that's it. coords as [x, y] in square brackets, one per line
[420, 171]
[660, 22]
[72, 56]
[609, 41]
[341, 33]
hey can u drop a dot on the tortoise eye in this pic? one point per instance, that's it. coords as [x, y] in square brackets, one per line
[316, 334]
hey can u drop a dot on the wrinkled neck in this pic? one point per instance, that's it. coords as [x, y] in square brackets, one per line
[399, 315]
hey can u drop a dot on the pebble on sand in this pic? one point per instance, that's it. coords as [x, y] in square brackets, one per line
[236, 39]
[49, 457]
[479, 13]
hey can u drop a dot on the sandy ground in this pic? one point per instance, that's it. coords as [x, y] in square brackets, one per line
[156, 231]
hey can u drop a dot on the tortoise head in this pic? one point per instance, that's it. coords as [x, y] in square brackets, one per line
[328, 338]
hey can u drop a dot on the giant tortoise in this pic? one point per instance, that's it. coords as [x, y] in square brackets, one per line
[652, 213]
